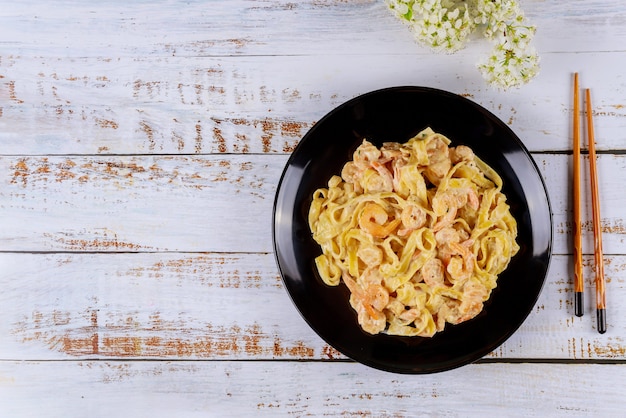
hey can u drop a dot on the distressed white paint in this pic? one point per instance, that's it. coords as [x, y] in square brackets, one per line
[139, 203]
[209, 203]
[140, 148]
[151, 105]
[270, 27]
[233, 306]
[237, 389]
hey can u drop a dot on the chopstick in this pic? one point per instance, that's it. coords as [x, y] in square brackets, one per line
[597, 232]
[595, 206]
[578, 251]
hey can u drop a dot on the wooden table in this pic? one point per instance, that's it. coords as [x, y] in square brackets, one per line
[141, 144]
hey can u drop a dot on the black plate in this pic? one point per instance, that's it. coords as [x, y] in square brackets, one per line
[397, 114]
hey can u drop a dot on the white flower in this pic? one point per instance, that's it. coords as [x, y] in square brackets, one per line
[401, 8]
[442, 25]
[445, 26]
[509, 66]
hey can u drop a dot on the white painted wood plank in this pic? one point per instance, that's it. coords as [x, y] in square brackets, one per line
[130, 203]
[124, 281]
[553, 331]
[239, 27]
[233, 306]
[557, 174]
[189, 203]
[213, 306]
[190, 389]
[157, 105]
[184, 28]
[171, 105]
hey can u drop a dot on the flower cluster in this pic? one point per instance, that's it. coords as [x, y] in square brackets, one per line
[445, 26]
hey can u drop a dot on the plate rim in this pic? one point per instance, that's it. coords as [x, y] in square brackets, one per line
[512, 136]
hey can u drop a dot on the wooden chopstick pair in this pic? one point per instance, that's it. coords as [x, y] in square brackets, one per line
[595, 204]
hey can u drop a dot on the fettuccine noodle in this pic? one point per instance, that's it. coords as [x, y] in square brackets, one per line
[418, 232]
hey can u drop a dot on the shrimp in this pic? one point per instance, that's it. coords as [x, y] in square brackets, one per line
[455, 198]
[391, 151]
[436, 149]
[372, 324]
[445, 206]
[383, 182]
[432, 272]
[350, 173]
[398, 187]
[365, 154]
[473, 295]
[376, 296]
[438, 160]
[413, 217]
[369, 303]
[444, 238]
[450, 311]
[461, 153]
[370, 254]
[447, 235]
[447, 203]
[370, 293]
[442, 313]
[470, 310]
[447, 220]
[442, 201]
[374, 220]
[409, 315]
[461, 265]
[454, 254]
[473, 201]
[436, 172]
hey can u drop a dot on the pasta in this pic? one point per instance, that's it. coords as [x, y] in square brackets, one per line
[418, 232]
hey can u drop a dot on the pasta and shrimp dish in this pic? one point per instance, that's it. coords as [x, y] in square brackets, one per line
[418, 232]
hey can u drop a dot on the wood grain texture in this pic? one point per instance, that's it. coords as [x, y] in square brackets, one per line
[138, 203]
[271, 27]
[172, 105]
[123, 85]
[164, 389]
[233, 306]
[141, 144]
[202, 203]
